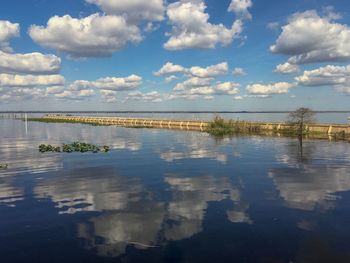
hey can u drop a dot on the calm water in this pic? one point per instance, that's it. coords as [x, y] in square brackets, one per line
[171, 196]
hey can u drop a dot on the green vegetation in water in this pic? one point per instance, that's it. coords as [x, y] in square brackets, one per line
[46, 120]
[49, 148]
[220, 127]
[3, 166]
[74, 147]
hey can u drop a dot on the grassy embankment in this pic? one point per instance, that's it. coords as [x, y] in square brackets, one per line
[220, 128]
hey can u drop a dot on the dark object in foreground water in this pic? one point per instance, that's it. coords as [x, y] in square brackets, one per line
[48, 148]
[74, 147]
[3, 166]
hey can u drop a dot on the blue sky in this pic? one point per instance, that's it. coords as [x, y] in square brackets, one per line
[174, 55]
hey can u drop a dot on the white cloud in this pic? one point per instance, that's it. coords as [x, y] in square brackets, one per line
[238, 72]
[240, 8]
[195, 81]
[199, 72]
[335, 76]
[133, 10]
[201, 91]
[193, 92]
[31, 63]
[211, 71]
[268, 89]
[170, 78]
[109, 83]
[286, 68]
[328, 75]
[191, 29]
[10, 80]
[92, 36]
[153, 96]
[55, 89]
[170, 68]
[118, 84]
[309, 38]
[8, 30]
[109, 96]
[273, 25]
[228, 88]
[238, 97]
[75, 95]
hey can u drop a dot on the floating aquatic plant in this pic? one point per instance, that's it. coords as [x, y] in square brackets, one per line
[48, 148]
[3, 166]
[74, 147]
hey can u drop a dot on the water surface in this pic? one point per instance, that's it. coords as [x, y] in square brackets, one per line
[171, 196]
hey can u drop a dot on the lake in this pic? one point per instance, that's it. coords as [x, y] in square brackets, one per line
[171, 196]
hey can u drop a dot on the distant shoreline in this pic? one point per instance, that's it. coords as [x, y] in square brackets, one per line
[163, 112]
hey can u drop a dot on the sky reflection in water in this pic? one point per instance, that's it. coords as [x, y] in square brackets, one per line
[171, 196]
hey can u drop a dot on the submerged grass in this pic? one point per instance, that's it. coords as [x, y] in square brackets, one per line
[73, 147]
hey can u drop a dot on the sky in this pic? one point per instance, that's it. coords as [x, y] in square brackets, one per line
[200, 55]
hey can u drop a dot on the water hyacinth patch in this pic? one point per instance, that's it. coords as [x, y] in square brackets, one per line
[74, 147]
[3, 166]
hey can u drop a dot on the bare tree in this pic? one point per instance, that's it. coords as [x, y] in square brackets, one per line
[300, 118]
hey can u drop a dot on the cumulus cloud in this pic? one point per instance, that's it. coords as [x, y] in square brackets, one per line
[194, 92]
[31, 63]
[199, 72]
[191, 28]
[75, 95]
[328, 75]
[10, 80]
[107, 87]
[211, 71]
[170, 78]
[238, 72]
[193, 82]
[23, 93]
[152, 96]
[93, 36]
[269, 89]
[240, 8]
[55, 89]
[286, 68]
[309, 38]
[133, 10]
[109, 96]
[335, 76]
[8, 30]
[228, 88]
[118, 84]
[170, 68]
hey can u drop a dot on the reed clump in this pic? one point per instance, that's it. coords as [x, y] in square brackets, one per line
[74, 147]
[222, 127]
